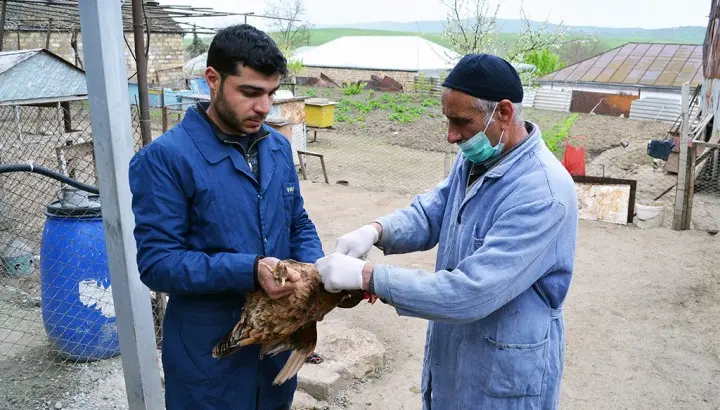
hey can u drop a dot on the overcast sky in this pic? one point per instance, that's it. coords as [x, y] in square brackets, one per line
[606, 13]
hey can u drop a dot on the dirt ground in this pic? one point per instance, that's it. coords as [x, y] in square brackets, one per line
[641, 316]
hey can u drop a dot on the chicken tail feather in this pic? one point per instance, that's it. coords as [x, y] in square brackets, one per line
[305, 341]
[293, 365]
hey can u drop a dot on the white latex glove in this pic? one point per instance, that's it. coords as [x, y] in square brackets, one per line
[358, 242]
[340, 272]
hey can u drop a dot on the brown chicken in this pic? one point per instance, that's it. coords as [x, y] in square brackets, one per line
[289, 323]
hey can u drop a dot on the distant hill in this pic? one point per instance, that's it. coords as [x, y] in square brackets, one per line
[691, 35]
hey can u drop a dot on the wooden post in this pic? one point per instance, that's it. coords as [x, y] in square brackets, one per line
[49, 32]
[679, 216]
[2, 23]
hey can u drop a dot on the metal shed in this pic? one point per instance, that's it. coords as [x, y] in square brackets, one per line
[44, 120]
[39, 76]
[36, 89]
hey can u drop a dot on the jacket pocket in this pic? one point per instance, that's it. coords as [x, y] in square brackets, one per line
[513, 370]
[478, 237]
[188, 349]
[288, 194]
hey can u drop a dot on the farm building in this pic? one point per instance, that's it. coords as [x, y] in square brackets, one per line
[357, 58]
[42, 121]
[637, 80]
[56, 27]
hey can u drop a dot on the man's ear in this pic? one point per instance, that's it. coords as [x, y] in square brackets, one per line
[505, 111]
[213, 79]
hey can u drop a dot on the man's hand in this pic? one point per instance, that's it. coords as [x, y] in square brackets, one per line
[359, 242]
[268, 283]
[341, 272]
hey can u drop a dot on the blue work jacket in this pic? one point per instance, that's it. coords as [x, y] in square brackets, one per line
[201, 221]
[506, 250]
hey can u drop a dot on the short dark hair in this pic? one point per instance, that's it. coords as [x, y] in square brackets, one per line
[246, 45]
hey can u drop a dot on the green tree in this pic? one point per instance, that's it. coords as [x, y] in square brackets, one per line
[197, 46]
[545, 61]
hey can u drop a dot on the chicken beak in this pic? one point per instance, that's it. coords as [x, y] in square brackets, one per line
[282, 282]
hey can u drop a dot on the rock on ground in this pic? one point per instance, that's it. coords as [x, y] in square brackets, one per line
[304, 401]
[350, 354]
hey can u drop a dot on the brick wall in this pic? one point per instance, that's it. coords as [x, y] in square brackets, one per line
[165, 59]
[340, 75]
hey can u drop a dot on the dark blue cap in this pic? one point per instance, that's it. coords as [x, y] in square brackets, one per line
[487, 77]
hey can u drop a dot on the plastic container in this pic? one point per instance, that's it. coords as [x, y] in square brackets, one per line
[77, 305]
[650, 215]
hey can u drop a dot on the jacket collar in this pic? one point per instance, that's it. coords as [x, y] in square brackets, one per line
[214, 150]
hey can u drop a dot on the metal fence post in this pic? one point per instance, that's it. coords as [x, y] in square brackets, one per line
[101, 25]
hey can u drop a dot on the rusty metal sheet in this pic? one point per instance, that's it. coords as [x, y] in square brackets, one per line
[601, 103]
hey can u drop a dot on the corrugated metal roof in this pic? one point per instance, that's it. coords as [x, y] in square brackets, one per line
[401, 53]
[34, 15]
[9, 59]
[644, 64]
[28, 76]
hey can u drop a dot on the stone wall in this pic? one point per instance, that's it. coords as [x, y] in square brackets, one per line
[341, 75]
[165, 59]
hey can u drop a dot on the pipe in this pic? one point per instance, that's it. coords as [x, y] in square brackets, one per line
[37, 169]
[141, 68]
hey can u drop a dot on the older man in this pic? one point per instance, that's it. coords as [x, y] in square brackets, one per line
[505, 222]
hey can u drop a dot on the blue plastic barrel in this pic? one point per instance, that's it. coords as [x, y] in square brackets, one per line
[77, 305]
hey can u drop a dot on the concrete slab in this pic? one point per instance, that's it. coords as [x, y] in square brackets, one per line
[304, 401]
[349, 354]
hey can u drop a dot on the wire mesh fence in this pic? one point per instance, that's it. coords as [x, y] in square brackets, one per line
[56, 307]
[375, 140]
[705, 174]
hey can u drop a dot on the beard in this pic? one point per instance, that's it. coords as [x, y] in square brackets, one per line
[230, 117]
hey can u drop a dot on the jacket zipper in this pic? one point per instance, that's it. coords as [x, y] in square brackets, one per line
[247, 154]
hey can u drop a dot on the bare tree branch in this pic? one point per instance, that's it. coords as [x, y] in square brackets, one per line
[469, 27]
[289, 34]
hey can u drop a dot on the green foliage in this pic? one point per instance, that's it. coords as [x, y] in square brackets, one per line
[423, 85]
[295, 66]
[544, 60]
[559, 133]
[400, 107]
[353, 88]
[197, 46]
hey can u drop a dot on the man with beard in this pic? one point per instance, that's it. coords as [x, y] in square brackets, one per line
[213, 197]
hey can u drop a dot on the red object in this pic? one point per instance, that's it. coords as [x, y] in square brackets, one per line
[574, 159]
[369, 297]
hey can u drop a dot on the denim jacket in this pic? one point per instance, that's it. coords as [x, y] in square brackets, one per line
[506, 250]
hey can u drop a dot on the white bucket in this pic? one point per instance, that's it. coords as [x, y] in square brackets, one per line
[650, 215]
